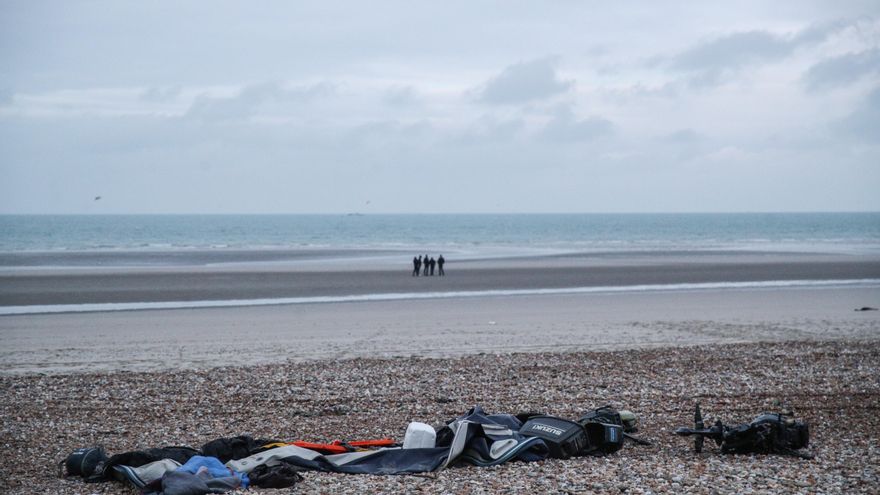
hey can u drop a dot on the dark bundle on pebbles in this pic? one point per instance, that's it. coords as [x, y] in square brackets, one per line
[835, 386]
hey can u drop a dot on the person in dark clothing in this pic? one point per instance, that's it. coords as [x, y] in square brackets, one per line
[417, 266]
[427, 266]
[431, 264]
[440, 262]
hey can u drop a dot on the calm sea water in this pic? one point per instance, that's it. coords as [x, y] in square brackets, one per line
[811, 232]
[108, 241]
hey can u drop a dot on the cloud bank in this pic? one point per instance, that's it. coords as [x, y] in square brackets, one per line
[213, 108]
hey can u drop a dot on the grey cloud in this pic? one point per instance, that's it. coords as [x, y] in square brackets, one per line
[488, 129]
[400, 96]
[213, 109]
[842, 70]
[597, 51]
[684, 136]
[524, 82]
[248, 101]
[710, 62]
[160, 94]
[639, 91]
[817, 33]
[683, 145]
[394, 133]
[564, 126]
[864, 122]
[242, 105]
[707, 78]
[733, 50]
[95, 104]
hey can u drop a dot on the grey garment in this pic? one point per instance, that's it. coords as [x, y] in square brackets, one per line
[474, 438]
[201, 483]
[144, 475]
[270, 457]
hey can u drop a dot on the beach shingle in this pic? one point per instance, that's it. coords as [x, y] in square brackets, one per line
[835, 386]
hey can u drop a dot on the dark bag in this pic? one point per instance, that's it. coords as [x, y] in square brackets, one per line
[606, 429]
[229, 448]
[564, 438]
[278, 476]
[137, 458]
[611, 416]
[86, 462]
[603, 438]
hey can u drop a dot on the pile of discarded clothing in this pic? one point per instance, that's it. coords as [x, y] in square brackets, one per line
[474, 438]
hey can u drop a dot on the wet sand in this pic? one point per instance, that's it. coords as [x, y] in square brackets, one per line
[363, 370]
[205, 338]
[333, 276]
[211, 337]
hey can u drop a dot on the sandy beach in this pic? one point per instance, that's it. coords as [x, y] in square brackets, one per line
[136, 379]
[628, 301]
[248, 275]
[205, 338]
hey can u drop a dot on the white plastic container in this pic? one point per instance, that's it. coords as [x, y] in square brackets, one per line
[419, 436]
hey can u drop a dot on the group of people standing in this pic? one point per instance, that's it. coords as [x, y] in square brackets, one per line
[428, 263]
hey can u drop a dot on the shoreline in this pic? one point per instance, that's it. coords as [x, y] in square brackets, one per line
[293, 258]
[37, 309]
[335, 278]
[200, 338]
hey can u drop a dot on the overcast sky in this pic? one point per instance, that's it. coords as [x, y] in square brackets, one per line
[545, 106]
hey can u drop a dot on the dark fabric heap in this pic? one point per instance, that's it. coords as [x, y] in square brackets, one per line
[230, 463]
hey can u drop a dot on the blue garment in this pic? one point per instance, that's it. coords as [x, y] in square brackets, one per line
[214, 467]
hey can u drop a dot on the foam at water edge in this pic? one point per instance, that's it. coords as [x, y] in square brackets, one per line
[137, 306]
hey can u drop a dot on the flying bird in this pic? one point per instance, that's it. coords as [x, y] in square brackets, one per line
[97, 198]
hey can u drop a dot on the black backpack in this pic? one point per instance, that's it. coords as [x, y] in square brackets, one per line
[609, 415]
[564, 438]
[608, 428]
[86, 462]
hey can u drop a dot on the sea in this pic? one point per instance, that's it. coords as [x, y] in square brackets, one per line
[35, 242]
[472, 234]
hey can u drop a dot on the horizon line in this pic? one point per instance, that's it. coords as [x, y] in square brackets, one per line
[357, 213]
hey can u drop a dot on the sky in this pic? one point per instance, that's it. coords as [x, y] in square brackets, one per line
[439, 107]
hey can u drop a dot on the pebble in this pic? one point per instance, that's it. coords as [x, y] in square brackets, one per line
[833, 385]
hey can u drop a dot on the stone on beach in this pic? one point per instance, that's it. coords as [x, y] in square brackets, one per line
[833, 385]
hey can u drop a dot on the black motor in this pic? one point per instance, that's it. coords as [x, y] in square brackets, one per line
[769, 433]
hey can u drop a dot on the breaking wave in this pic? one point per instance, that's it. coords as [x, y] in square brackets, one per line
[400, 296]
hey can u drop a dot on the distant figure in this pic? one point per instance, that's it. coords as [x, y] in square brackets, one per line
[440, 262]
[432, 263]
[417, 266]
[427, 266]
